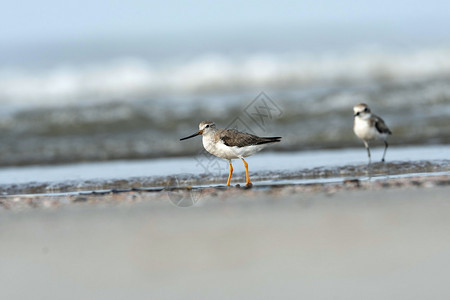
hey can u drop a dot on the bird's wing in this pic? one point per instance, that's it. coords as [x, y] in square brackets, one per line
[234, 138]
[381, 126]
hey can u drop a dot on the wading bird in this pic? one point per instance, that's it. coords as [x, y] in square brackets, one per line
[231, 144]
[369, 127]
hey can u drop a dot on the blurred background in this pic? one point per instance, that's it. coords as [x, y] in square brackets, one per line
[102, 80]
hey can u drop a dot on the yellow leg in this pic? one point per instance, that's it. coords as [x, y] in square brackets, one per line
[231, 172]
[248, 183]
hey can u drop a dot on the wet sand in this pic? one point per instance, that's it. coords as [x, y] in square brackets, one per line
[284, 170]
[356, 239]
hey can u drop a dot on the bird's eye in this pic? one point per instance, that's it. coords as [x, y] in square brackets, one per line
[357, 114]
[207, 126]
[366, 109]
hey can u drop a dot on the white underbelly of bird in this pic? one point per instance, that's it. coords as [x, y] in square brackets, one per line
[221, 150]
[366, 132]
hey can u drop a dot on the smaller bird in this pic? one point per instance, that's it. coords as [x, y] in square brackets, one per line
[369, 127]
[231, 144]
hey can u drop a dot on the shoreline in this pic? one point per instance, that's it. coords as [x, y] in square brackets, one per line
[188, 195]
[289, 169]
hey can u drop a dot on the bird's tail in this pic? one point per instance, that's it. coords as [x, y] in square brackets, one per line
[267, 140]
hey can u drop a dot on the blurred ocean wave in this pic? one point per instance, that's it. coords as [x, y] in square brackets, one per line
[133, 78]
[133, 108]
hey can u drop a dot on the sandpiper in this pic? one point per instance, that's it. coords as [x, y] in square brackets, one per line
[231, 144]
[368, 127]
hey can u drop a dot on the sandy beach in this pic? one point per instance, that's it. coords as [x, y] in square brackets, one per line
[377, 239]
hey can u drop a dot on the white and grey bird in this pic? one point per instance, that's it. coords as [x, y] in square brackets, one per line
[231, 144]
[369, 127]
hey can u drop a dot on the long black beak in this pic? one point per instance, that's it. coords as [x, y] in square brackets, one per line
[191, 136]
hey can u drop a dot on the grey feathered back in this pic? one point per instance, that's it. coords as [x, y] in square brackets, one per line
[232, 138]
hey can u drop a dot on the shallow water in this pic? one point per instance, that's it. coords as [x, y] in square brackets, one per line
[269, 167]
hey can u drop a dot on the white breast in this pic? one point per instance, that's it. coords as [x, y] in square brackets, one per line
[363, 130]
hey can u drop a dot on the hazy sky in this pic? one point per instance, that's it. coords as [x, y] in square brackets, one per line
[49, 20]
